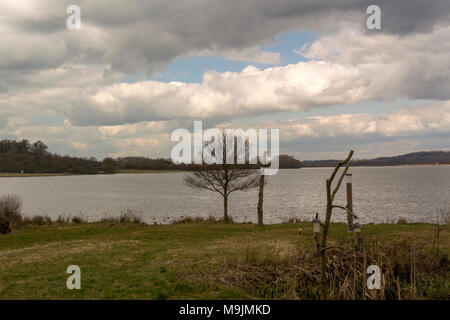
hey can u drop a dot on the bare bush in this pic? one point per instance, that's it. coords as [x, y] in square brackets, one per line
[37, 220]
[10, 210]
[77, 220]
[10, 207]
[209, 219]
[62, 218]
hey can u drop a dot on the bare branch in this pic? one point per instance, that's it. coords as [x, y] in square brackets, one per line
[338, 185]
[340, 164]
[346, 209]
[330, 247]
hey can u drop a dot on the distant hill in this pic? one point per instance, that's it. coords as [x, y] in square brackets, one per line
[416, 158]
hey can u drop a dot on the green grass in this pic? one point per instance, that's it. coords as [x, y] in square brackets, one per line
[138, 261]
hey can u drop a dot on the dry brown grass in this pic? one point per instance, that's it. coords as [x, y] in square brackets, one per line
[409, 271]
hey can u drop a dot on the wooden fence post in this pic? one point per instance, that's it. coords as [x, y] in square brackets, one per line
[348, 177]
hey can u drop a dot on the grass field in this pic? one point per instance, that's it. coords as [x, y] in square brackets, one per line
[178, 261]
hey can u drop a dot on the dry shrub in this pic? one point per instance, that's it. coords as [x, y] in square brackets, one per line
[10, 209]
[445, 216]
[129, 216]
[209, 219]
[408, 272]
[62, 218]
[270, 274]
[77, 220]
[38, 220]
[294, 220]
[402, 221]
[410, 269]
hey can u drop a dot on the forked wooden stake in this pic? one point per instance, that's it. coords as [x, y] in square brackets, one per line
[330, 198]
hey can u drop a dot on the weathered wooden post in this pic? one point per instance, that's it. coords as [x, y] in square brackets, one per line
[357, 232]
[316, 223]
[260, 200]
[262, 182]
[356, 258]
[348, 178]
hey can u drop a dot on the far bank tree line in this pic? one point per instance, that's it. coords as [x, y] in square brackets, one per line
[26, 157]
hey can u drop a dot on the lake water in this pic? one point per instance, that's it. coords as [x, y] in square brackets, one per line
[380, 194]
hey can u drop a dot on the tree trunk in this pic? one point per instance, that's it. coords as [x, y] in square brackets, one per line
[225, 208]
[323, 258]
[260, 200]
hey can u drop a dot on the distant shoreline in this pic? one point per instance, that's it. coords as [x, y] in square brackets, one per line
[138, 171]
[133, 171]
[120, 171]
[30, 175]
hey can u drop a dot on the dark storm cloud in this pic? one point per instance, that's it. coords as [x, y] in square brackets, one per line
[146, 35]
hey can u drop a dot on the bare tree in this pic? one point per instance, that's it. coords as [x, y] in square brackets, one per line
[225, 177]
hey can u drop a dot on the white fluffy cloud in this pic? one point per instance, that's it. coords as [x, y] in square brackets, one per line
[346, 68]
[410, 121]
[406, 130]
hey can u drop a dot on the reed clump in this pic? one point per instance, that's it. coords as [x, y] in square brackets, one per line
[11, 217]
[209, 219]
[129, 216]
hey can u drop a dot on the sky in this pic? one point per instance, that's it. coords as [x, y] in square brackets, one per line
[137, 70]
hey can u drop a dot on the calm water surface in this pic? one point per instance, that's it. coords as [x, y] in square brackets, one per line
[380, 194]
